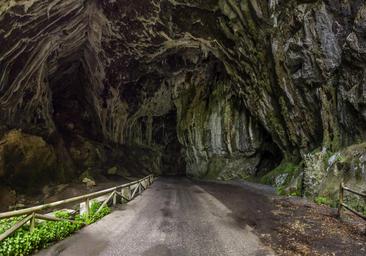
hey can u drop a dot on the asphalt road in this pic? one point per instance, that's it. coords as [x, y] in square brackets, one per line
[174, 217]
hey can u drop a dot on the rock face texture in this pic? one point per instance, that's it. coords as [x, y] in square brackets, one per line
[214, 88]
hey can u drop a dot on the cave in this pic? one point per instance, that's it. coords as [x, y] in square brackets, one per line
[165, 136]
[216, 90]
[202, 94]
[72, 105]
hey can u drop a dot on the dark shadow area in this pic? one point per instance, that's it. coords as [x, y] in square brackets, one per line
[165, 134]
[271, 155]
[73, 110]
[159, 134]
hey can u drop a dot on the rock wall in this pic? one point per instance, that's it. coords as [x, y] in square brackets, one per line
[226, 88]
[318, 49]
[222, 140]
[325, 170]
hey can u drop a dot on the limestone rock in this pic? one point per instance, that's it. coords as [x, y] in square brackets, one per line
[89, 182]
[347, 165]
[26, 159]
[7, 197]
[112, 171]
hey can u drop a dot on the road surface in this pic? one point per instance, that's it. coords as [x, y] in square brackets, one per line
[174, 217]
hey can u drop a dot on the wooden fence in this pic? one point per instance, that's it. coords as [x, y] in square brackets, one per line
[341, 205]
[125, 193]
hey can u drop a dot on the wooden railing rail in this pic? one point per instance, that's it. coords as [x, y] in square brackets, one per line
[341, 205]
[32, 213]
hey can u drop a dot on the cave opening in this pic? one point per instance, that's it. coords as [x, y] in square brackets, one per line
[159, 134]
[153, 123]
[77, 129]
[73, 112]
[271, 155]
[173, 162]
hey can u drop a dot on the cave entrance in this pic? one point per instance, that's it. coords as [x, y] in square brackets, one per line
[173, 159]
[73, 112]
[159, 133]
[271, 155]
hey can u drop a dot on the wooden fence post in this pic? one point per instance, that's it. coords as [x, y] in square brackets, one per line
[114, 198]
[129, 193]
[126, 193]
[341, 195]
[32, 223]
[87, 208]
[122, 195]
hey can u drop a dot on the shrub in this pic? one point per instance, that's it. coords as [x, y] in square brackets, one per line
[323, 200]
[94, 216]
[24, 242]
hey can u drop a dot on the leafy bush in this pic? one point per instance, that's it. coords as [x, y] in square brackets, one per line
[295, 193]
[323, 200]
[281, 191]
[94, 216]
[6, 224]
[24, 242]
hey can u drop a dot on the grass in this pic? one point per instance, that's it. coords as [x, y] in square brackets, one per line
[23, 242]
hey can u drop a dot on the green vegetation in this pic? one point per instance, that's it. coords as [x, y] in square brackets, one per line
[94, 216]
[323, 200]
[287, 171]
[281, 191]
[356, 203]
[24, 242]
[283, 168]
[353, 201]
[284, 179]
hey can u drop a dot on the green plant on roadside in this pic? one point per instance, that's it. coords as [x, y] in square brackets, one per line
[6, 224]
[295, 193]
[321, 200]
[284, 179]
[94, 216]
[283, 168]
[280, 191]
[23, 242]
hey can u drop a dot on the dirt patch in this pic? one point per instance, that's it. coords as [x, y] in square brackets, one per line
[292, 226]
[309, 229]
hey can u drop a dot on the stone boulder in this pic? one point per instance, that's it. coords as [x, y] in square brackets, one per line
[7, 197]
[26, 159]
